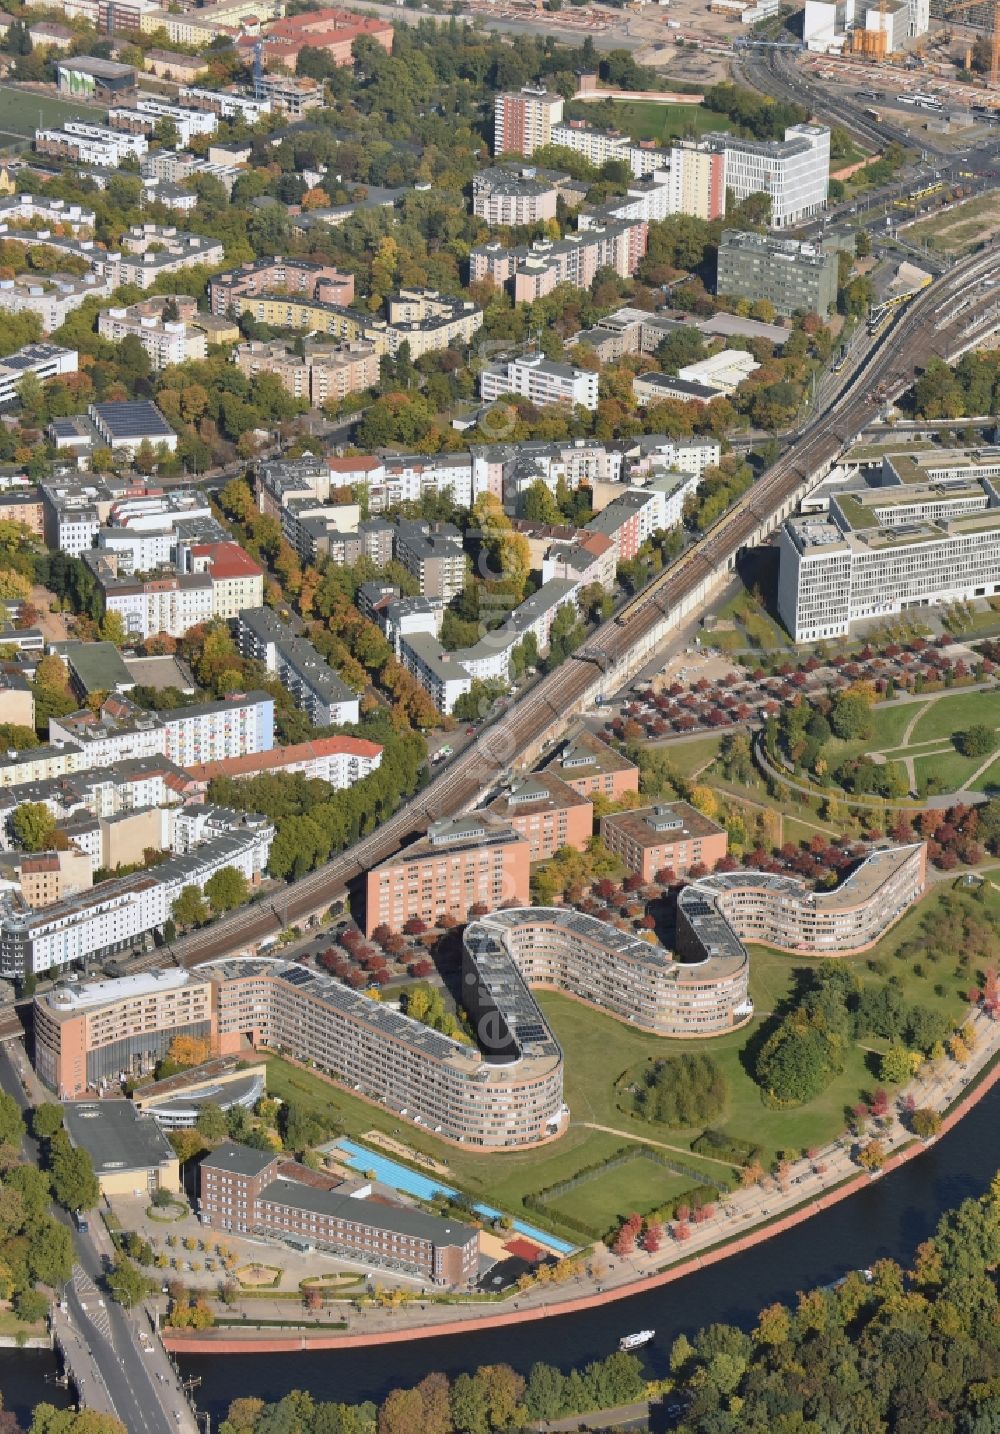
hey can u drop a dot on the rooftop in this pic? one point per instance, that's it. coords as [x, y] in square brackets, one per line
[136, 418]
[73, 1000]
[116, 1136]
[403, 1218]
[585, 755]
[238, 1159]
[539, 792]
[666, 822]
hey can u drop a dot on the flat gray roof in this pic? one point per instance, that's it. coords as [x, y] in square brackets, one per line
[240, 1159]
[400, 1218]
[116, 1136]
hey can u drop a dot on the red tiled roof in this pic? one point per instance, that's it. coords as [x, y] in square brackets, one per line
[278, 757]
[228, 560]
[362, 462]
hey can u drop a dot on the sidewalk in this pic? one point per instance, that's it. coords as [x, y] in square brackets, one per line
[91, 1390]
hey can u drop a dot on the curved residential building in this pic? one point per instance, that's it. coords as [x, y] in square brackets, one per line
[504, 1089]
[635, 980]
[506, 1092]
[784, 912]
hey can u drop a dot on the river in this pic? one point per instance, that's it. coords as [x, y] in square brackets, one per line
[889, 1218]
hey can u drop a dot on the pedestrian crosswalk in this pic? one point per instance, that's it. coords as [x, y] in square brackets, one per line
[91, 1302]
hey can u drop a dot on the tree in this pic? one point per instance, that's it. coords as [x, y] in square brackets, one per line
[74, 1183]
[682, 1091]
[31, 1306]
[896, 1065]
[187, 1144]
[49, 1420]
[925, 1122]
[226, 889]
[34, 826]
[46, 1119]
[186, 1051]
[11, 1122]
[112, 629]
[211, 1122]
[977, 740]
[51, 688]
[872, 1155]
[190, 909]
[539, 506]
[126, 1283]
[850, 716]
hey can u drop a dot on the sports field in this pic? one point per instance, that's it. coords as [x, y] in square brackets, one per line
[23, 111]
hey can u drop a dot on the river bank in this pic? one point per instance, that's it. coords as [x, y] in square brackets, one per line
[954, 1093]
[886, 1219]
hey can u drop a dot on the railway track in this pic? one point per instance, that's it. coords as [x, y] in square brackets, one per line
[917, 334]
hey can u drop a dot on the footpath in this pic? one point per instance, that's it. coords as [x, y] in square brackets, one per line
[740, 1220]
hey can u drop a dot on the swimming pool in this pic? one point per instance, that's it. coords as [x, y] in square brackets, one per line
[422, 1187]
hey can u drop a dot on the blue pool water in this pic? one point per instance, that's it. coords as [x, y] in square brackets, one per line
[422, 1187]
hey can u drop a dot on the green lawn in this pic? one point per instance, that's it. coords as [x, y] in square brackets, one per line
[642, 119]
[21, 111]
[990, 780]
[690, 757]
[956, 711]
[605, 1199]
[950, 769]
[755, 628]
[10, 1325]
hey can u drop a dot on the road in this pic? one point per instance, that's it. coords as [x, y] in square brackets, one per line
[934, 323]
[115, 1371]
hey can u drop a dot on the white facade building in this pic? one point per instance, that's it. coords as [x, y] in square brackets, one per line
[891, 548]
[91, 144]
[116, 914]
[539, 381]
[43, 360]
[723, 372]
[165, 342]
[794, 172]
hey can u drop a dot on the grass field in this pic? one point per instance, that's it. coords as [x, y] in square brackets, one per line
[23, 111]
[601, 1050]
[936, 722]
[754, 627]
[990, 780]
[690, 757]
[603, 1200]
[642, 119]
[950, 770]
[951, 714]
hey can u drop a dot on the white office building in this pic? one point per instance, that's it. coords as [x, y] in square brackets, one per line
[795, 172]
[908, 543]
[539, 381]
[90, 144]
[830, 25]
[44, 361]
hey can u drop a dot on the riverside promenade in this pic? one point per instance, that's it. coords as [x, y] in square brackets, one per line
[744, 1219]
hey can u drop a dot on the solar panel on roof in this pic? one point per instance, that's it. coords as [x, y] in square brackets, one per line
[529, 1033]
[296, 977]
